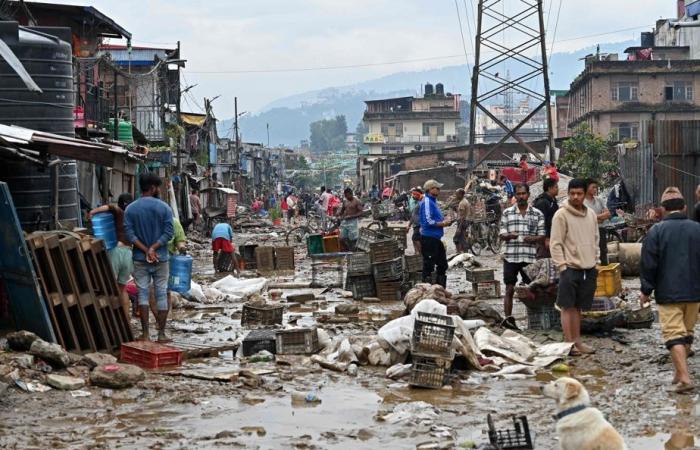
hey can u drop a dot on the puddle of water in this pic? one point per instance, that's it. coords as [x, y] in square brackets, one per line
[673, 441]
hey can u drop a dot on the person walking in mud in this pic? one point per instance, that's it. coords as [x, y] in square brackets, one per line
[463, 210]
[432, 226]
[350, 214]
[670, 268]
[575, 252]
[149, 226]
[414, 222]
[120, 257]
[522, 229]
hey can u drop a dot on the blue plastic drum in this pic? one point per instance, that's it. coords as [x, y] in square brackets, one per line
[180, 273]
[103, 227]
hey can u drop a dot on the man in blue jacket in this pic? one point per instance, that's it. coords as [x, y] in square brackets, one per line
[431, 230]
[149, 226]
[670, 268]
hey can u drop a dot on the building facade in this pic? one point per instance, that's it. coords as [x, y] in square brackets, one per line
[409, 124]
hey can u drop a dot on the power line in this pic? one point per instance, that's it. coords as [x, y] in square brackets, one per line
[461, 32]
[388, 63]
[554, 36]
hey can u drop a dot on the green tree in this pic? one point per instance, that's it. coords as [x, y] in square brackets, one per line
[328, 134]
[587, 155]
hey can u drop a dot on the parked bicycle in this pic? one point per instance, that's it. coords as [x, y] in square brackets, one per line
[298, 235]
[484, 233]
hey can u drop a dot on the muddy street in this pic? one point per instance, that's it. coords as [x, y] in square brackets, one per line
[226, 401]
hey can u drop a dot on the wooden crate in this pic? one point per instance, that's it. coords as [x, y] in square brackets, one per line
[284, 258]
[389, 290]
[479, 275]
[487, 289]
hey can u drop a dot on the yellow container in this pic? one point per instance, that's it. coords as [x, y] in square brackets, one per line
[331, 244]
[609, 282]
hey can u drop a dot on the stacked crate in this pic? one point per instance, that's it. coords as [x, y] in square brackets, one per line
[265, 259]
[387, 268]
[484, 284]
[412, 270]
[431, 350]
[359, 279]
[284, 258]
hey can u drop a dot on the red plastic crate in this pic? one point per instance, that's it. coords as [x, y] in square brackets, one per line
[150, 355]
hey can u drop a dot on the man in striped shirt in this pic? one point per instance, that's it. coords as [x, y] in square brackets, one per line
[522, 228]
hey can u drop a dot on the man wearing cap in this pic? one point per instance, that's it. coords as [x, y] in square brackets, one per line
[670, 266]
[431, 229]
[414, 223]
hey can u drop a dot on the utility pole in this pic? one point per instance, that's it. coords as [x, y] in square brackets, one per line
[115, 132]
[522, 26]
[267, 125]
[178, 120]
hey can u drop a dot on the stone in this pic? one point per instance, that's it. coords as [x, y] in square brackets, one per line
[21, 341]
[116, 376]
[3, 387]
[64, 383]
[346, 309]
[53, 354]
[93, 360]
[24, 361]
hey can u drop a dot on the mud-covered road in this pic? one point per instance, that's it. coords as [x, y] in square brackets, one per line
[626, 377]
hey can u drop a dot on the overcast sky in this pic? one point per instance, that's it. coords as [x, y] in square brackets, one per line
[236, 35]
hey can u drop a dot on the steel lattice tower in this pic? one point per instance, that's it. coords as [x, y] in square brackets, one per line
[522, 22]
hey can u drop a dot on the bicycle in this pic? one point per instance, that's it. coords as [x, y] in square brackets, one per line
[298, 235]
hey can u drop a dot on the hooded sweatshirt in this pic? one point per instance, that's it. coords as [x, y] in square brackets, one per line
[574, 240]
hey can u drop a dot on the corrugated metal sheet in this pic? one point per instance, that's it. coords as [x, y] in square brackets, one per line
[668, 155]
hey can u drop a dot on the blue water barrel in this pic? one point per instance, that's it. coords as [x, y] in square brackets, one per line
[180, 273]
[103, 227]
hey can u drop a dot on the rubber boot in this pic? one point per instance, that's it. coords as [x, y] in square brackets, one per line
[162, 319]
[145, 313]
[215, 260]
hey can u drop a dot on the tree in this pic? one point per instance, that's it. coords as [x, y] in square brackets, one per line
[587, 155]
[328, 134]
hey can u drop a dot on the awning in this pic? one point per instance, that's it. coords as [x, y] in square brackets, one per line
[196, 120]
[30, 144]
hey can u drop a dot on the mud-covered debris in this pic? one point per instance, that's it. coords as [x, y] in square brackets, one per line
[116, 376]
[53, 354]
[64, 383]
[93, 360]
[21, 341]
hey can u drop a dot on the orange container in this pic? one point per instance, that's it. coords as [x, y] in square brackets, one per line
[331, 244]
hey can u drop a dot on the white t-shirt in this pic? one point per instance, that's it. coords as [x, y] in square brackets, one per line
[325, 198]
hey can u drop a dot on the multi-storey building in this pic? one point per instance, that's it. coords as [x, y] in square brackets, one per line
[408, 124]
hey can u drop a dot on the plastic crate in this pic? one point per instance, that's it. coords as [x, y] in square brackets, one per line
[602, 304]
[265, 258]
[543, 318]
[487, 289]
[150, 355]
[367, 237]
[433, 335]
[517, 437]
[480, 275]
[397, 234]
[412, 263]
[314, 244]
[327, 272]
[384, 250]
[383, 210]
[388, 270]
[429, 371]
[262, 315]
[331, 244]
[359, 264]
[609, 281]
[247, 252]
[258, 340]
[284, 258]
[388, 290]
[297, 341]
[360, 286]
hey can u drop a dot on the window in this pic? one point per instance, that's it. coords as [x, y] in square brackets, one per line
[392, 149]
[678, 91]
[625, 131]
[625, 91]
[392, 129]
[433, 129]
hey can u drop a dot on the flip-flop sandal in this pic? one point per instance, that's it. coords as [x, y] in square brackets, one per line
[575, 352]
[682, 388]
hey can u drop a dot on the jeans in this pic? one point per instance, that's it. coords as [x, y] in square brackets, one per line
[143, 274]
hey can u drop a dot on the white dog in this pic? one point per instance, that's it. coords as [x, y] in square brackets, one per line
[579, 425]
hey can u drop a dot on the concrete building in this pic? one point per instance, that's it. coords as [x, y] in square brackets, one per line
[658, 80]
[409, 124]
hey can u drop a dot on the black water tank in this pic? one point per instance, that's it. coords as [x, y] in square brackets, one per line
[647, 39]
[49, 61]
[439, 90]
[46, 55]
[428, 89]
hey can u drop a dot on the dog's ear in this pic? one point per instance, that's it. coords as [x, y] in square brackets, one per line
[572, 390]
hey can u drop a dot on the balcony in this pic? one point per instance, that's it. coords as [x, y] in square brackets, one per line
[409, 139]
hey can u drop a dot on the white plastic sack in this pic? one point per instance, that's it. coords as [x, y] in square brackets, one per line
[196, 293]
[398, 370]
[398, 332]
[240, 287]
